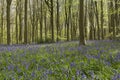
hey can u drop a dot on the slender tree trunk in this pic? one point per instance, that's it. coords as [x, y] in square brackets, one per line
[16, 19]
[41, 22]
[33, 21]
[91, 21]
[113, 21]
[20, 21]
[102, 30]
[109, 20]
[58, 23]
[8, 22]
[25, 20]
[37, 19]
[85, 20]
[45, 24]
[97, 20]
[70, 18]
[116, 16]
[66, 21]
[52, 19]
[81, 22]
[2, 22]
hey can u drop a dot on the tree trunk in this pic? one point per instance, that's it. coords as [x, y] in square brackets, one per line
[52, 19]
[25, 20]
[81, 22]
[102, 30]
[41, 22]
[16, 21]
[2, 22]
[97, 20]
[20, 21]
[58, 23]
[8, 22]
[45, 23]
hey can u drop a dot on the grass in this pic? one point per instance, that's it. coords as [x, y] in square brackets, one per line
[98, 60]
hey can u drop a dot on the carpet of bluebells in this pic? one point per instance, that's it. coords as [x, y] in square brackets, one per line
[98, 60]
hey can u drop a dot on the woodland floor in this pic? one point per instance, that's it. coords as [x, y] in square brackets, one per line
[98, 60]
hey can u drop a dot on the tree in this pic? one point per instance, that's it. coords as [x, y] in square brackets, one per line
[70, 18]
[67, 17]
[8, 21]
[97, 19]
[112, 28]
[52, 19]
[20, 7]
[41, 21]
[116, 15]
[102, 15]
[16, 22]
[81, 22]
[25, 20]
[2, 20]
[45, 23]
[32, 18]
[50, 5]
[58, 21]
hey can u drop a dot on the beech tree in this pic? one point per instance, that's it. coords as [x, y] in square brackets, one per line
[81, 22]
[58, 20]
[2, 21]
[25, 20]
[38, 21]
[8, 21]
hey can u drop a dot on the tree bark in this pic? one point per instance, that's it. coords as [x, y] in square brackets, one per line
[81, 22]
[8, 21]
[25, 20]
[20, 21]
[2, 21]
[58, 23]
[102, 22]
[16, 28]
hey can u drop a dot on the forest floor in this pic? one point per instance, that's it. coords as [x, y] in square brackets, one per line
[14, 47]
[98, 60]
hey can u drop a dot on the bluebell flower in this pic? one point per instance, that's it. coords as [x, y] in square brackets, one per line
[27, 66]
[13, 78]
[79, 48]
[88, 56]
[117, 57]
[49, 72]
[71, 49]
[43, 60]
[33, 74]
[11, 67]
[78, 72]
[116, 77]
[73, 78]
[39, 68]
[107, 63]
[83, 76]
[72, 64]
[92, 74]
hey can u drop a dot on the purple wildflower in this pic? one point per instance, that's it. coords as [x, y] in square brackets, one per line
[73, 78]
[92, 74]
[116, 77]
[33, 74]
[83, 76]
[78, 72]
[72, 64]
[11, 67]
